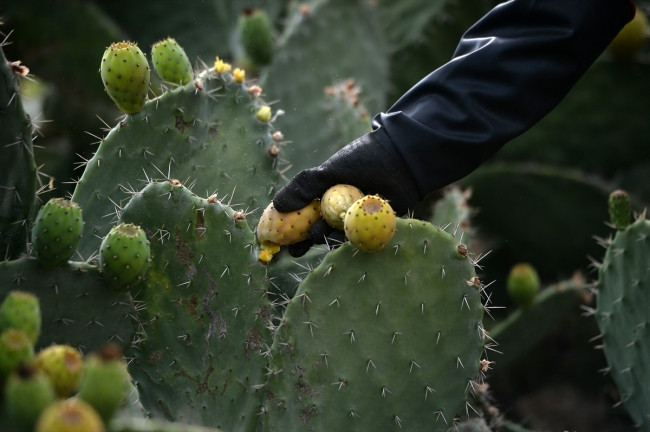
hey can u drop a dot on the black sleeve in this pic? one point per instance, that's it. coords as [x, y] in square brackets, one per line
[509, 70]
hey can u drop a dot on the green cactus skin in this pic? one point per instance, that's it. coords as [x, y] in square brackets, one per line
[56, 232]
[104, 382]
[256, 37]
[81, 310]
[63, 365]
[17, 166]
[70, 415]
[205, 134]
[27, 393]
[622, 308]
[124, 256]
[206, 319]
[21, 310]
[170, 62]
[126, 75]
[15, 348]
[452, 212]
[620, 209]
[523, 284]
[379, 341]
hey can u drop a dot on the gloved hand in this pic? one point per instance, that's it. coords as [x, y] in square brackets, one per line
[363, 163]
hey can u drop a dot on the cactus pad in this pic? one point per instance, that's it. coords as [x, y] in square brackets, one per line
[207, 315]
[622, 316]
[205, 133]
[379, 341]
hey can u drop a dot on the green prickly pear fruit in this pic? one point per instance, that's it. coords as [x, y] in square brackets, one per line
[63, 364]
[620, 209]
[21, 310]
[57, 232]
[124, 256]
[256, 36]
[523, 284]
[104, 381]
[125, 73]
[370, 223]
[170, 62]
[336, 201]
[15, 348]
[70, 415]
[27, 393]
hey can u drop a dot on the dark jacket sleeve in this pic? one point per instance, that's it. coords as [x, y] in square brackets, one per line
[509, 70]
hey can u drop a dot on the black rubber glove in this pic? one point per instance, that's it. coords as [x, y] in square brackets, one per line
[509, 70]
[364, 163]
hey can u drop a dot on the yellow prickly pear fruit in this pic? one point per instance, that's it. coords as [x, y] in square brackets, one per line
[63, 364]
[370, 223]
[70, 415]
[277, 229]
[336, 201]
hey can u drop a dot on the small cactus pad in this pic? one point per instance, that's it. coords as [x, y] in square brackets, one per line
[370, 223]
[125, 73]
[27, 393]
[170, 62]
[620, 209]
[57, 232]
[205, 325]
[523, 284]
[379, 341]
[124, 256]
[336, 201]
[287, 228]
[622, 309]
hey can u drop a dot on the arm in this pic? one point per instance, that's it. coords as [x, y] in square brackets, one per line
[510, 69]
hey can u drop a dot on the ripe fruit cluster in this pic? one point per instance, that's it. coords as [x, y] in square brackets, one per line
[55, 388]
[368, 221]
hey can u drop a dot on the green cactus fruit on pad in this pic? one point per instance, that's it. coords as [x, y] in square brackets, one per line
[256, 36]
[523, 284]
[15, 348]
[104, 381]
[207, 318]
[383, 341]
[57, 232]
[124, 256]
[126, 75]
[21, 310]
[27, 393]
[620, 209]
[170, 62]
[622, 315]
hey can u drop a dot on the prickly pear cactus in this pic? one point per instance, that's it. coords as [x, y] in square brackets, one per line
[622, 316]
[17, 166]
[206, 319]
[380, 341]
[204, 133]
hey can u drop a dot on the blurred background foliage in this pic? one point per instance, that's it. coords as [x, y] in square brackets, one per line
[540, 199]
